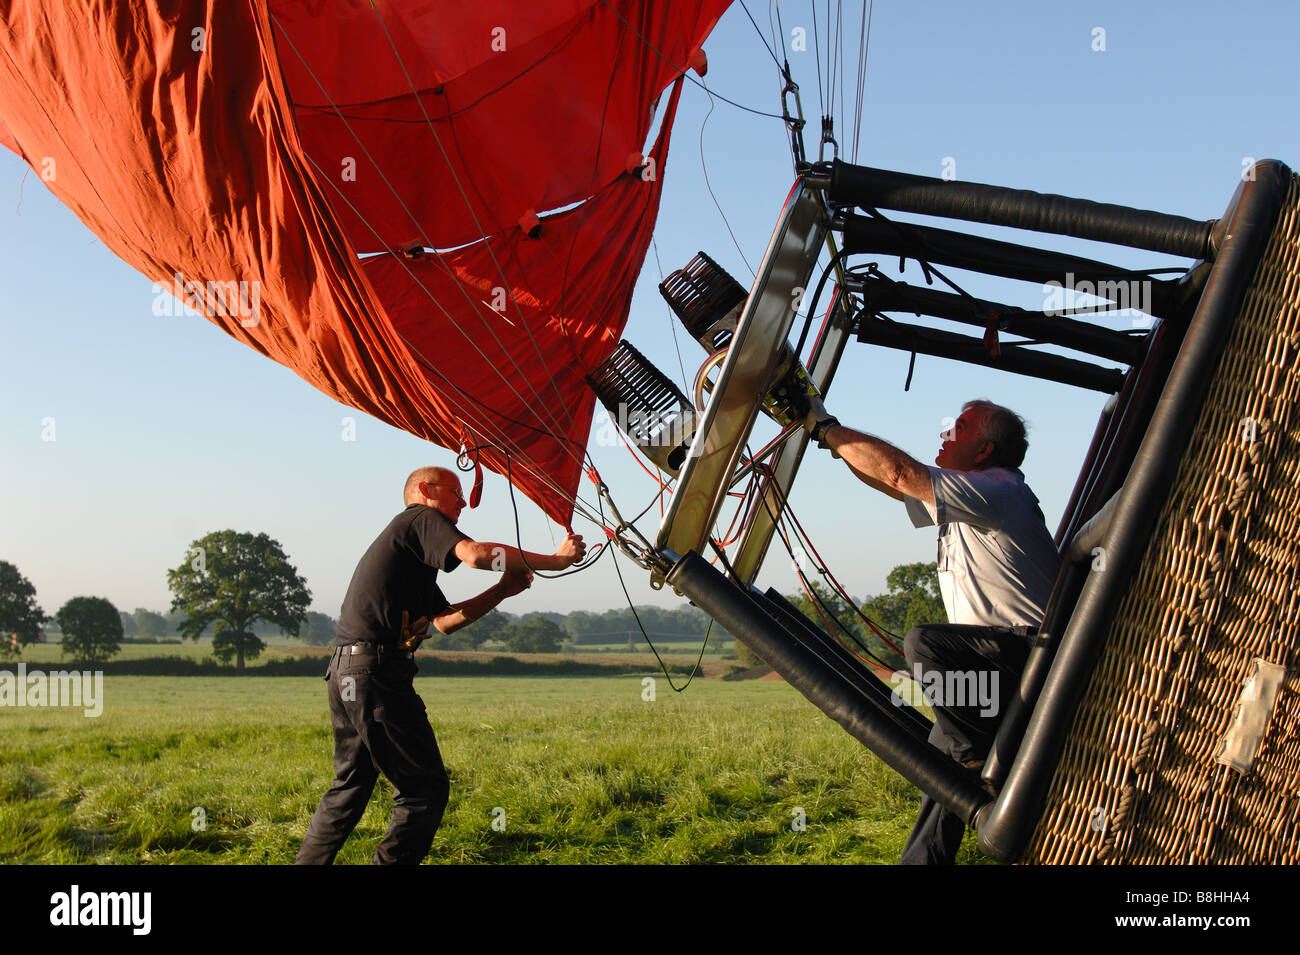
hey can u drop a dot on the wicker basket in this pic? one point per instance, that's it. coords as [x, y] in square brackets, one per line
[1141, 780]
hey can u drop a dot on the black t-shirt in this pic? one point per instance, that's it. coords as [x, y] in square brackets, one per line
[399, 572]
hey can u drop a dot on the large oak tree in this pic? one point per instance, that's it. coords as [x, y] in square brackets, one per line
[229, 580]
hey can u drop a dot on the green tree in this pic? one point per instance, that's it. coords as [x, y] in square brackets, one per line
[318, 629]
[129, 629]
[150, 625]
[92, 629]
[20, 616]
[913, 599]
[534, 635]
[490, 626]
[230, 580]
[579, 623]
[816, 610]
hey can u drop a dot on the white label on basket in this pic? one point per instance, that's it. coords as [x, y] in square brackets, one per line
[1254, 709]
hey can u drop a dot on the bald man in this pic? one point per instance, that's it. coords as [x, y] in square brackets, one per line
[379, 721]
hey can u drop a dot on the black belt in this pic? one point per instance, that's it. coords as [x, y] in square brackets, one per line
[367, 648]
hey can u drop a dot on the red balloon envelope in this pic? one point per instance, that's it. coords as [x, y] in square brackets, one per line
[298, 172]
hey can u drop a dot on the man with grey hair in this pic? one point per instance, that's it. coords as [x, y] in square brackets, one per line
[997, 564]
[379, 721]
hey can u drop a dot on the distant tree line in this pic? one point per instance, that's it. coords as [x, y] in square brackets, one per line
[579, 627]
[239, 587]
[615, 626]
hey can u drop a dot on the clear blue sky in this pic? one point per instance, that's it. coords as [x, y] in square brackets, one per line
[166, 429]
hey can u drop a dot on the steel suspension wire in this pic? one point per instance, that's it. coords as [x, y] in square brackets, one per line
[705, 167]
[864, 42]
[839, 36]
[832, 59]
[817, 53]
[672, 324]
[677, 66]
[770, 51]
[824, 570]
[780, 30]
[815, 600]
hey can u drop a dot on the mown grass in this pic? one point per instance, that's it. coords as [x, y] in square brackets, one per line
[584, 769]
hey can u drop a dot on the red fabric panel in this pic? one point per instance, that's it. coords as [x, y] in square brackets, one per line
[548, 121]
[566, 296]
[7, 140]
[185, 162]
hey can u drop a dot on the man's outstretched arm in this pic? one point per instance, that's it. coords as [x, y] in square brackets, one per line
[484, 555]
[880, 464]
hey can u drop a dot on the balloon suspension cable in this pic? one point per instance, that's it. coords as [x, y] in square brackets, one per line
[467, 460]
[794, 122]
[754, 461]
[826, 614]
[864, 43]
[624, 534]
[886, 636]
[641, 553]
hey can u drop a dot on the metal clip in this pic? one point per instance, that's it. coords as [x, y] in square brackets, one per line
[828, 136]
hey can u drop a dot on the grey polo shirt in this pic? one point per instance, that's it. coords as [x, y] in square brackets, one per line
[997, 562]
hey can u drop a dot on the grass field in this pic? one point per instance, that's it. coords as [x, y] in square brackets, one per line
[296, 659]
[579, 769]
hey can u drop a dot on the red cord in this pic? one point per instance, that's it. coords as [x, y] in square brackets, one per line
[806, 541]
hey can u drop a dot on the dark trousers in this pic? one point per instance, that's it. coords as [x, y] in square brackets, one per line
[970, 675]
[379, 727]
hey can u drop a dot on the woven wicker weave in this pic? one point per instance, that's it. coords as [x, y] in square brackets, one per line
[1219, 587]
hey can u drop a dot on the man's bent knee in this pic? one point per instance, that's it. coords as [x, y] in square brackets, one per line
[917, 646]
[425, 793]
